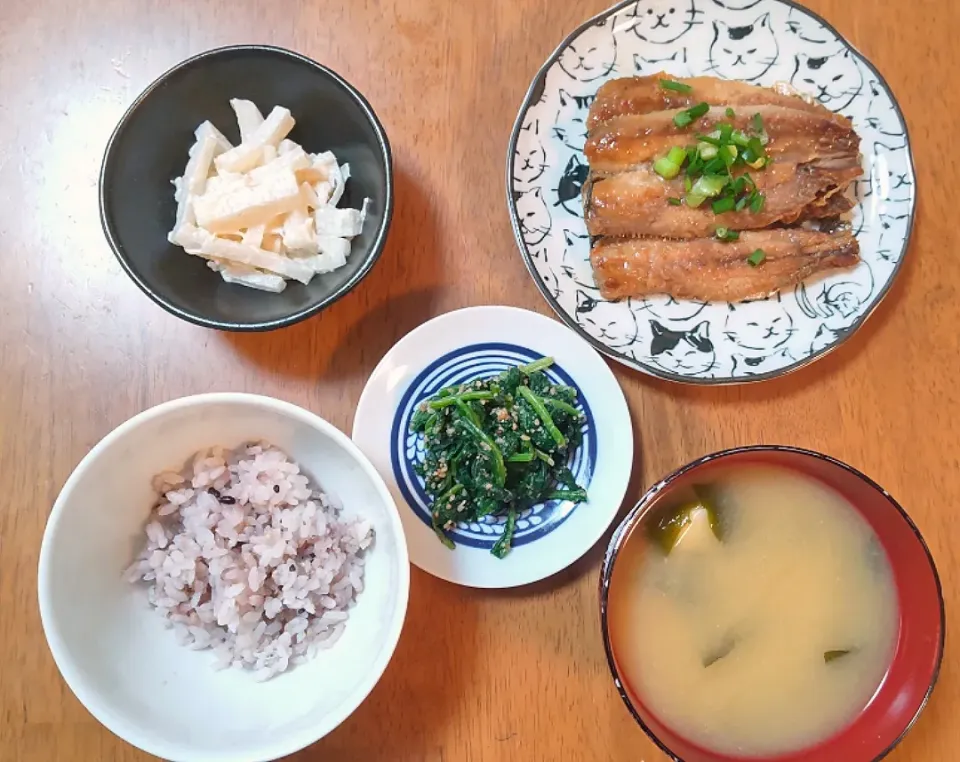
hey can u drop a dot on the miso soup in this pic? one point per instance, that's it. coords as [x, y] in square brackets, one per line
[755, 614]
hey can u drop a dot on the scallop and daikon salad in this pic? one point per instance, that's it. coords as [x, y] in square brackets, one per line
[265, 211]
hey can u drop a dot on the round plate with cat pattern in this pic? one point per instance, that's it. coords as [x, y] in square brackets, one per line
[759, 41]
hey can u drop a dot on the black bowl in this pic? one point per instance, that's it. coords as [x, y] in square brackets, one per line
[149, 148]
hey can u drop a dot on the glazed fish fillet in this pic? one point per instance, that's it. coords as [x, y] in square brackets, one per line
[711, 270]
[643, 95]
[627, 142]
[636, 203]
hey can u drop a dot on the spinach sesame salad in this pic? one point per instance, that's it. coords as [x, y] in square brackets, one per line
[497, 446]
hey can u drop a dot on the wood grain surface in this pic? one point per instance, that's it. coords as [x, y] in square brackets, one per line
[477, 675]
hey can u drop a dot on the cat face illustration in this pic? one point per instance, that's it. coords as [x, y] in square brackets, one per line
[571, 186]
[825, 337]
[837, 303]
[530, 159]
[815, 34]
[533, 215]
[675, 64]
[844, 299]
[668, 309]
[613, 323]
[737, 5]
[746, 365]
[575, 265]
[758, 327]
[592, 55]
[834, 79]
[687, 353]
[570, 126]
[890, 177]
[663, 22]
[743, 52]
[884, 120]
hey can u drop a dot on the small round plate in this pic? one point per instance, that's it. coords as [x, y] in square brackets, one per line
[479, 342]
[757, 41]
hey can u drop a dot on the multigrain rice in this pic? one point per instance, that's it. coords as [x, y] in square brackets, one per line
[243, 556]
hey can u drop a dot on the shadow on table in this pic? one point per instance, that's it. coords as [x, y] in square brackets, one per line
[350, 336]
[435, 663]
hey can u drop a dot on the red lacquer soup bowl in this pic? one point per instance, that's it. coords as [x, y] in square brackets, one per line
[912, 673]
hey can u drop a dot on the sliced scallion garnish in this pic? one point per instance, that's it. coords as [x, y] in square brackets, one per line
[677, 87]
[687, 116]
[726, 234]
[677, 155]
[725, 204]
[666, 168]
[755, 259]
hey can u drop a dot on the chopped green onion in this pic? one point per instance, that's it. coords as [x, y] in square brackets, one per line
[683, 118]
[757, 202]
[709, 185]
[721, 205]
[758, 164]
[725, 234]
[706, 187]
[730, 113]
[666, 168]
[741, 203]
[757, 123]
[740, 138]
[677, 87]
[755, 259]
[731, 151]
[713, 139]
[714, 167]
[674, 201]
[707, 151]
[724, 131]
[687, 184]
[677, 155]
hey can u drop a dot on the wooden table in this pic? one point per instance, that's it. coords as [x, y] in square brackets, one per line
[480, 676]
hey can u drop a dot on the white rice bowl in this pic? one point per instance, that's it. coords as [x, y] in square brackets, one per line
[156, 685]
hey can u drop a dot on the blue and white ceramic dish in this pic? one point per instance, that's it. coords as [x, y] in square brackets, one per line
[462, 366]
[758, 41]
[477, 343]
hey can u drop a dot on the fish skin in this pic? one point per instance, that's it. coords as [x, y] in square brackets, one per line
[644, 95]
[636, 203]
[631, 141]
[710, 270]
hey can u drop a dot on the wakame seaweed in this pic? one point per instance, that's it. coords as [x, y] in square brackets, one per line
[497, 446]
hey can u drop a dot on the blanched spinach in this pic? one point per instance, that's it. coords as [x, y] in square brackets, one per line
[498, 446]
